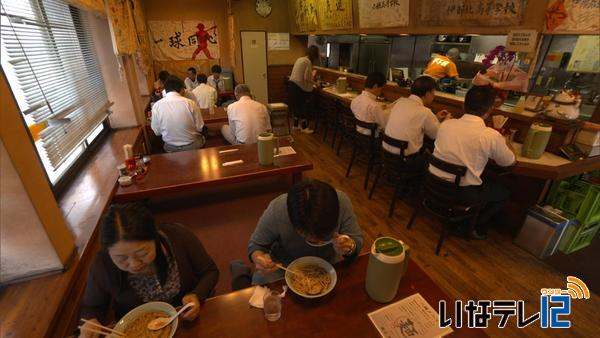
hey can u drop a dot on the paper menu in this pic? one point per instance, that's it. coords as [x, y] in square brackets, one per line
[409, 317]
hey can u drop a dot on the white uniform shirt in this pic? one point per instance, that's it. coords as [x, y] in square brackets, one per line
[177, 119]
[366, 108]
[409, 121]
[205, 95]
[189, 84]
[468, 142]
[247, 119]
[302, 73]
[218, 84]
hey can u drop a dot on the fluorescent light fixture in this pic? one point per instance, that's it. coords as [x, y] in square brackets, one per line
[328, 49]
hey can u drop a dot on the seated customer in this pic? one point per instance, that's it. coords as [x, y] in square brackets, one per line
[468, 142]
[141, 262]
[178, 119]
[247, 118]
[215, 80]
[159, 86]
[191, 80]
[312, 219]
[410, 119]
[206, 96]
[366, 108]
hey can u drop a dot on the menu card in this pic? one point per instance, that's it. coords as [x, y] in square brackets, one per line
[409, 317]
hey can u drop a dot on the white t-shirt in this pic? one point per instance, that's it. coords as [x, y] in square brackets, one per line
[206, 95]
[247, 119]
[468, 142]
[218, 84]
[409, 121]
[302, 73]
[366, 108]
[177, 119]
[189, 84]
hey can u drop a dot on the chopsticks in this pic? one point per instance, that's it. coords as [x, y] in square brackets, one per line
[100, 328]
[290, 270]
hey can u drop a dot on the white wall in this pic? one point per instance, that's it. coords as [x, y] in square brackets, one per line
[123, 114]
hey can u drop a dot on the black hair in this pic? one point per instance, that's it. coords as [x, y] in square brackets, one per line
[133, 222]
[313, 53]
[313, 208]
[479, 100]
[174, 84]
[423, 85]
[201, 78]
[163, 76]
[375, 78]
[192, 69]
[216, 69]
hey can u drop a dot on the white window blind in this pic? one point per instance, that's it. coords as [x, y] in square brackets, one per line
[51, 55]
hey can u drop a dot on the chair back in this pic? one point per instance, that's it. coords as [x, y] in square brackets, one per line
[371, 139]
[346, 118]
[440, 195]
[396, 163]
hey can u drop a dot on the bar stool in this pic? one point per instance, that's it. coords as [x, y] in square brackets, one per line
[346, 125]
[396, 168]
[329, 117]
[364, 144]
[441, 198]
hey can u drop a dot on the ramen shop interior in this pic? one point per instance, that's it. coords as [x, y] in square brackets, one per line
[299, 168]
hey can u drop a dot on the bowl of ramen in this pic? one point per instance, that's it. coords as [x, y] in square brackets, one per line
[135, 323]
[314, 277]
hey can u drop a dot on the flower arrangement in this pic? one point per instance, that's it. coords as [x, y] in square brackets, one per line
[502, 75]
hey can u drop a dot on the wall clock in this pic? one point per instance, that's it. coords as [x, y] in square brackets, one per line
[264, 7]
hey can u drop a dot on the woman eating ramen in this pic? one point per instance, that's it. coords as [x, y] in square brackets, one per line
[141, 262]
[312, 219]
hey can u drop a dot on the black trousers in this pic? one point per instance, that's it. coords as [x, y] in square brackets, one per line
[492, 195]
[301, 103]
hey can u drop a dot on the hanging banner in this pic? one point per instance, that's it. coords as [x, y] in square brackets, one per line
[378, 13]
[184, 40]
[577, 16]
[472, 12]
[586, 55]
[306, 15]
[334, 14]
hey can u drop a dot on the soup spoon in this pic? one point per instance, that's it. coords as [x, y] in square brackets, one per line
[159, 323]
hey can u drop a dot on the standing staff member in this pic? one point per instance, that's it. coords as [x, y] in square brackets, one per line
[300, 88]
[443, 66]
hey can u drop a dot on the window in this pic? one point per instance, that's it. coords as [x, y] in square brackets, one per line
[49, 60]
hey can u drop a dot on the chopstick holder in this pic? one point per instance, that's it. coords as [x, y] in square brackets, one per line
[228, 151]
[226, 164]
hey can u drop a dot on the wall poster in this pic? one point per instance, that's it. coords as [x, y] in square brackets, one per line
[184, 40]
[472, 12]
[383, 13]
[578, 16]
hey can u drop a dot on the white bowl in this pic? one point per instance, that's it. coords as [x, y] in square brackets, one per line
[311, 260]
[132, 315]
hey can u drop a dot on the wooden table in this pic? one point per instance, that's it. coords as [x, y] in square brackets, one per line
[220, 116]
[342, 313]
[196, 169]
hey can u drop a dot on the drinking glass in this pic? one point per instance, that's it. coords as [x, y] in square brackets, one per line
[272, 305]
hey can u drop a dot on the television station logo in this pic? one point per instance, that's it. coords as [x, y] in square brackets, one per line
[555, 307]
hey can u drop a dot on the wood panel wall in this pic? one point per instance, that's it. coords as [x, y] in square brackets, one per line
[277, 82]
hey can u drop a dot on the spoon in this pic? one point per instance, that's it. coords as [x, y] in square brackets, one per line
[159, 323]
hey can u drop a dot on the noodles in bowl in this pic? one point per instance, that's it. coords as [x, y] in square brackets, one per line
[135, 323]
[314, 277]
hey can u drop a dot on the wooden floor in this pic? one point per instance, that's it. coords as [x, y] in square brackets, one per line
[479, 270]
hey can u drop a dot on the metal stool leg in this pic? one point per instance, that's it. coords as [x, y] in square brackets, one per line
[414, 215]
[354, 151]
[376, 180]
[441, 240]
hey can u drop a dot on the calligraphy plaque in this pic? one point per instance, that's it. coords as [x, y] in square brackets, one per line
[306, 15]
[383, 13]
[334, 14]
[472, 12]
